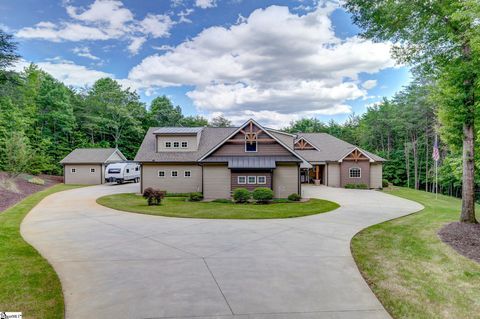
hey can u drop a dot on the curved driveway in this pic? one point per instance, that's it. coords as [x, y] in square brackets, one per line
[121, 265]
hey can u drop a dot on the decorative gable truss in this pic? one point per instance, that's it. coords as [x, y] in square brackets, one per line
[303, 144]
[356, 155]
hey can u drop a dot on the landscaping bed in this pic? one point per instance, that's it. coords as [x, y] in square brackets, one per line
[464, 238]
[23, 188]
[180, 207]
[411, 271]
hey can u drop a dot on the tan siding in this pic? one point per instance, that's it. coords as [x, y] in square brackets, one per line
[190, 139]
[333, 174]
[83, 176]
[179, 184]
[345, 177]
[285, 180]
[376, 175]
[216, 181]
[251, 187]
[114, 158]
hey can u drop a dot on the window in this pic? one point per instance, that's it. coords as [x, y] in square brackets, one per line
[355, 172]
[187, 173]
[127, 170]
[251, 146]
[242, 179]
[176, 144]
[174, 173]
[252, 179]
[161, 173]
[73, 170]
[184, 144]
[168, 144]
[92, 170]
[136, 169]
[261, 179]
[113, 170]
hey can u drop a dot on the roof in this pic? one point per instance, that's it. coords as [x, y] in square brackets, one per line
[329, 148]
[251, 161]
[210, 137]
[91, 155]
[178, 130]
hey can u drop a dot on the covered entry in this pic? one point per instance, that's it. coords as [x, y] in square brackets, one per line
[314, 175]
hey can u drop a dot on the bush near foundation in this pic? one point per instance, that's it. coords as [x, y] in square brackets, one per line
[241, 195]
[262, 195]
[294, 197]
[153, 196]
[356, 186]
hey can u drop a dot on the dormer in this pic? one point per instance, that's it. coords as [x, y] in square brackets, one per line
[178, 139]
[302, 144]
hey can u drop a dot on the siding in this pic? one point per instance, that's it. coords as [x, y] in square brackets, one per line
[333, 174]
[216, 181]
[83, 176]
[285, 180]
[376, 175]
[345, 177]
[251, 187]
[115, 158]
[190, 139]
[179, 184]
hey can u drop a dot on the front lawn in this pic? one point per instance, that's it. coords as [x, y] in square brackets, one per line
[412, 272]
[179, 207]
[28, 282]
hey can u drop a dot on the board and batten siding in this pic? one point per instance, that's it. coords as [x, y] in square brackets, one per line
[83, 174]
[179, 184]
[285, 180]
[376, 175]
[216, 181]
[333, 174]
[251, 187]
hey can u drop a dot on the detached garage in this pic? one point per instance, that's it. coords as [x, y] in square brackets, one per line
[87, 165]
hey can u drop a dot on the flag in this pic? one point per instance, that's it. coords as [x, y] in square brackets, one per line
[436, 153]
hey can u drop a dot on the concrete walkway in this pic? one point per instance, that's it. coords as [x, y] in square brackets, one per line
[123, 265]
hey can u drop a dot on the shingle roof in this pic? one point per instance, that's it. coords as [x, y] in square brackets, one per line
[209, 138]
[251, 161]
[90, 155]
[330, 148]
[178, 130]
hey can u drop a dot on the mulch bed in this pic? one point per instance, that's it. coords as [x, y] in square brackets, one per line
[8, 198]
[464, 238]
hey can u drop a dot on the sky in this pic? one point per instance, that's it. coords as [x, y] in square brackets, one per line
[275, 61]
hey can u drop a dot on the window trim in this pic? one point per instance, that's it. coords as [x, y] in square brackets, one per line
[73, 170]
[186, 144]
[177, 143]
[264, 179]
[168, 144]
[185, 174]
[244, 180]
[176, 174]
[160, 175]
[256, 147]
[92, 170]
[355, 168]
[255, 180]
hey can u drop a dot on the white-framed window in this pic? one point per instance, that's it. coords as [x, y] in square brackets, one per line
[355, 172]
[168, 144]
[184, 144]
[161, 173]
[92, 170]
[261, 179]
[73, 170]
[176, 144]
[174, 173]
[252, 180]
[241, 179]
[187, 174]
[251, 146]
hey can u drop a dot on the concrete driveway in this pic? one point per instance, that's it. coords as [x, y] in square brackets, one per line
[123, 265]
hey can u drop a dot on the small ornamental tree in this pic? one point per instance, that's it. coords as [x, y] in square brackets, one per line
[262, 195]
[241, 195]
[153, 196]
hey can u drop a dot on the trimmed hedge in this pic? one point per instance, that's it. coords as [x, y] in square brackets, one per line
[241, 195]
[262, 195]
[294, 197]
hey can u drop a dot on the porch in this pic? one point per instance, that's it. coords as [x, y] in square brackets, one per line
[315, 175]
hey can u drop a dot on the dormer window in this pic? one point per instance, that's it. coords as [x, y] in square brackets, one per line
[184, 144]
[176, 144]
[250, 142]
[168, 144]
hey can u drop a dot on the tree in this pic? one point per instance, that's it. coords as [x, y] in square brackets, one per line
[163, 113]
[8, 55]
[220, 121]
[440, 38]
[17, 154]
[194, 121]
[307, 125]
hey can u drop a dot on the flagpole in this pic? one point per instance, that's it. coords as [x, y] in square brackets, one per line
[436, 179]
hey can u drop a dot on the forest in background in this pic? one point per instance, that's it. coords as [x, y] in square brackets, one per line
[42, 120]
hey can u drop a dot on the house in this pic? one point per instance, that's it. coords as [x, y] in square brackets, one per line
[216, 161]
[87, 165]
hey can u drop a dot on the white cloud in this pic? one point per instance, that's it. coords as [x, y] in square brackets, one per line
[110, 12]
[85, 52]
[157, 25]
[274, 61]
[184, 14]
[204, 4]
[369, 84]
[136, 44]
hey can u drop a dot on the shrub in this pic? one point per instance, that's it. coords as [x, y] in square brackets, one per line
[356, 186]
[195, 197]
[384, 183]
[262, 195]
[294, 197]
[153, 196]
[36, 181]
[222, 200]
[241, 195]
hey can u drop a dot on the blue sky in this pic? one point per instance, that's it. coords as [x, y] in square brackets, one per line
[272, 60]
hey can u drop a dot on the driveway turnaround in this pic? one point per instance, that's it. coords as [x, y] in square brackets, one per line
[123, 265]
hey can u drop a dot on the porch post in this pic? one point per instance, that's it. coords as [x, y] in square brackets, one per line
[317, 171]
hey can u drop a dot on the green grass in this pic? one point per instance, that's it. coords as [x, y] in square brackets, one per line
[412, 272]
[28, 282]
[179, 207]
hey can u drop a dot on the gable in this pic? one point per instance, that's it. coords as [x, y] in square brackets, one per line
[356, 155]
[302, 144]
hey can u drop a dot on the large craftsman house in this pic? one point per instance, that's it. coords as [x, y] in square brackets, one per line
[216, 161]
